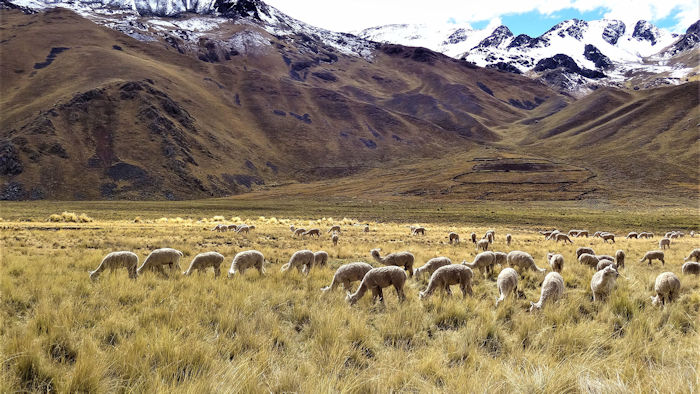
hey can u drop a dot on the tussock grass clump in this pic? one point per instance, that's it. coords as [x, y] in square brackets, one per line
[59, 331]
[70, 217]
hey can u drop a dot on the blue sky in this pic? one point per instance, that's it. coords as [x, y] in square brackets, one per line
[531, 17]
[534, 23]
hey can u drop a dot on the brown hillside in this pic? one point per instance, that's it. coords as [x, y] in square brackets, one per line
[90, 113]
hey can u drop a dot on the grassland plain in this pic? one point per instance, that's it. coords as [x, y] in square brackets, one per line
[60, 331]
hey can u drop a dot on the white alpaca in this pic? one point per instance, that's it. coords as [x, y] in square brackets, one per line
[691, 268]
[375, 280]
[605, 263]
[431, 265]
[693, 256]
[483, 261]
[508, 239]
[665, 243]
[205, 260]
[400, 259]
[248, 259]
[334, 229]
[556, 261]
[667, 287]
[589, 260]
[582, 250]
[244, 228]
[603, 282]
[482, 244]
[334, 238]
[523, 260]
[507, 283]
[160, 257]
[608, 237]
[346, 274]
[320, 258]
[552, 289]
[114, 260]
[448, 275]
[653, 255]
[220, 228]
[302, 260]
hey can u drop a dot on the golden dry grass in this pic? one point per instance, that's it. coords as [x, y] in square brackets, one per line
[60, 331]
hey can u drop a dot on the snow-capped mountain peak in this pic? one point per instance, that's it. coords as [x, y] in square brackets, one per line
[600, 51]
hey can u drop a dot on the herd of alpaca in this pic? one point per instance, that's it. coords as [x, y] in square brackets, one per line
[397, 267]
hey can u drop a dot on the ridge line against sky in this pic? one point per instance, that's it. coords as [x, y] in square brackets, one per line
[522, 17]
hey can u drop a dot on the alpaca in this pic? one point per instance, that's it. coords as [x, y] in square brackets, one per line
[205, 260]
[654, 255]
[400, 259]
[346, 274]
[454, 238]
[160, 257]
[247, 259]
[552, 289]
[114, 260]
[431, 265]
[302, 260]
[523, 260]
[507, 282]
[448, 275]
[603, 282]
[667, 287]
[375, 280]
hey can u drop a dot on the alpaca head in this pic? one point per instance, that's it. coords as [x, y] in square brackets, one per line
[349, 298]
[610, 271]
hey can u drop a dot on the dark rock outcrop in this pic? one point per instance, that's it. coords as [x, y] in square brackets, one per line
[596, 56]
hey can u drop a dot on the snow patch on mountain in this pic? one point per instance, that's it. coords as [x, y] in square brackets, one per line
[452, 40]
[608, 46]
[191, 20]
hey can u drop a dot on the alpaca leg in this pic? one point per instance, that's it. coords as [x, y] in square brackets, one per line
[346, 285]
[399, 293]
[160, 270]
[447, 290]
[375, 294]
[380, 292]
[469, 288]
[217, 271]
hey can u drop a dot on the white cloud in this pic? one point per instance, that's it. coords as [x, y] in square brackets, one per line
[358, 14]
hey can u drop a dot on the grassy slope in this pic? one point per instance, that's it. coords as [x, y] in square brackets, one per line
[277, 333]
[422, 109]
